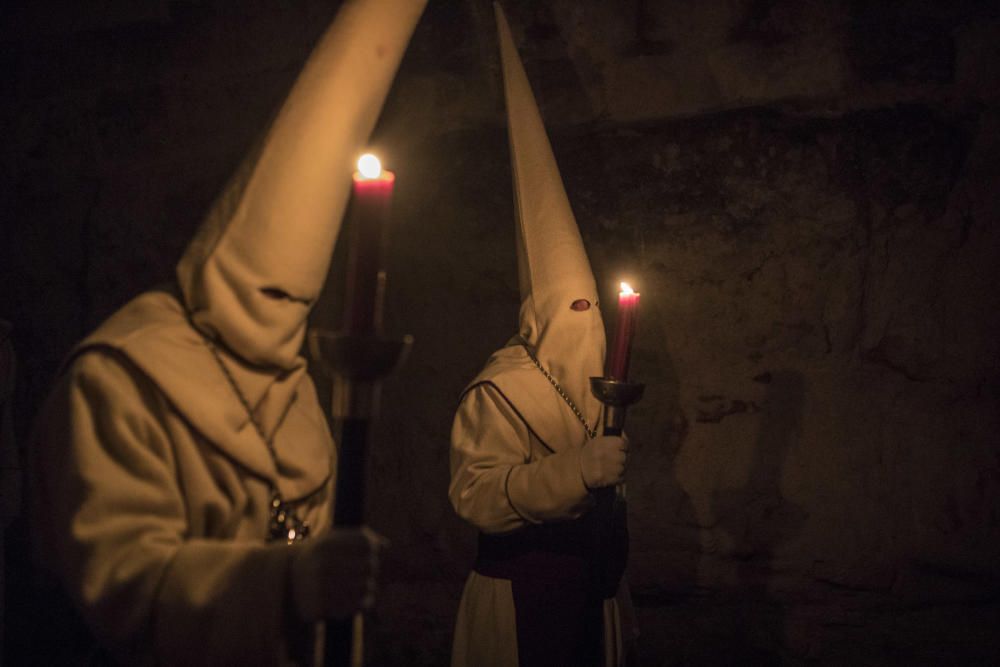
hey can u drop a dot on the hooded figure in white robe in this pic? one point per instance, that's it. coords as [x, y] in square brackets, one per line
[543, 591]
[174, 426]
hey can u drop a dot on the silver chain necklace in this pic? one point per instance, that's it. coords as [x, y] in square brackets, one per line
[284, 523]
[591, 432]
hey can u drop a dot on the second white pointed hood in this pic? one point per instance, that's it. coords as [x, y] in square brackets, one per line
[256, 266]
[553, 269]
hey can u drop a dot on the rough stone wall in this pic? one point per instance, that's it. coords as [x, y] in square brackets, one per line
[805, 192]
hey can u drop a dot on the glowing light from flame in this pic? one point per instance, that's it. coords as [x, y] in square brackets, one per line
[626, 289]
[369, 166]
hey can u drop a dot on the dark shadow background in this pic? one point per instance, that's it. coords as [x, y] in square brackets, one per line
[805, 193]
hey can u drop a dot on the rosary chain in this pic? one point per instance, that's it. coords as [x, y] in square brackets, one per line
[246, 404]
[591, 432]
[285, 523]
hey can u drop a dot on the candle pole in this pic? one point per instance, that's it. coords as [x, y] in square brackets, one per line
[357, 364]
[357, 359]
[610, 512]
[617, 394]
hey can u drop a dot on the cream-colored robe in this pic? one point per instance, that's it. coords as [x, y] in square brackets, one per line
[515, 459]
[151, 488]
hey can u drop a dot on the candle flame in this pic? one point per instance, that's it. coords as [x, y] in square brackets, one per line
[626, 288]
[369, 166]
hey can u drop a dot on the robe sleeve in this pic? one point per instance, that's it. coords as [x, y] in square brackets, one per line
[494, 483]
[113, 527]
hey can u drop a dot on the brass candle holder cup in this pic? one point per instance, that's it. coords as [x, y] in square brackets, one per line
[616, 397]
[357, 364]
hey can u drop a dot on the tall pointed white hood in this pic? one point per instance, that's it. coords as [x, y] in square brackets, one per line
[553, 269]
[256, 266]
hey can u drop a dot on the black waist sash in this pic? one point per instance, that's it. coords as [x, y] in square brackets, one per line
[560, 574]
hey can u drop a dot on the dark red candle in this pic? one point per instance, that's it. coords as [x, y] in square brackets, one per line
[621, 348]
[372, 196]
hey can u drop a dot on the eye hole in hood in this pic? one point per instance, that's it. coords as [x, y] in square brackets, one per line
[280, 294]
[580, 305]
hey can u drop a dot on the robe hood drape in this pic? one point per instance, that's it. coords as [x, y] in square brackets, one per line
[153, 333]
[257, 264]
[516, 443]
[151, 486]
[553, 270]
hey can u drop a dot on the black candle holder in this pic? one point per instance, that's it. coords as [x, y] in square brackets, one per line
[616, 396]
[357, 363]
[610, 513]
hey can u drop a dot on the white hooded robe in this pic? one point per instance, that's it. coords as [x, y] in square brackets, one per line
[150, 483]
[516, 462]
[153, 500]
[516, 442]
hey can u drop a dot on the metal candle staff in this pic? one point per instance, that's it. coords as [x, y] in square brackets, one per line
[357, 359]
[616, 393]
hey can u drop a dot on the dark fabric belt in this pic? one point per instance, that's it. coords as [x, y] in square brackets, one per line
[590, 552]
[557, 552]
